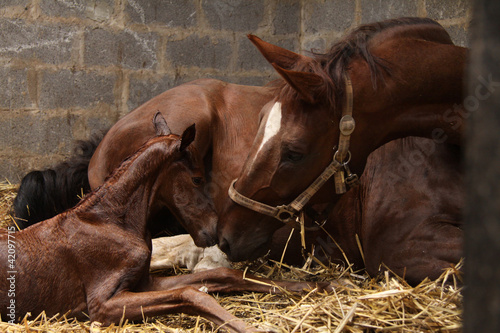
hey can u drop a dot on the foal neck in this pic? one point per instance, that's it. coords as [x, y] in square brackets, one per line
[126, 196]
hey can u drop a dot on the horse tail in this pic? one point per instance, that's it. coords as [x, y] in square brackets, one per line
[46, 193]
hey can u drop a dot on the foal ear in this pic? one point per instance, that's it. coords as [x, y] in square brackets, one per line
[308, 85]
[160, 124]
[187, 137]
[275, 54]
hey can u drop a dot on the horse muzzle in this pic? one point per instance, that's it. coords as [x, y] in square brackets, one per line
[241, 250]
[244, 234]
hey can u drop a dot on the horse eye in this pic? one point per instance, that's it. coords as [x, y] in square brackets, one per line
[197, 181]
[294, 156]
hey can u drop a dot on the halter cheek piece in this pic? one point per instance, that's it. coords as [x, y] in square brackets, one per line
[291, 213]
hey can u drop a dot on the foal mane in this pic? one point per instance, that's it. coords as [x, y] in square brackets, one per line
[115, 176]
[332, 65]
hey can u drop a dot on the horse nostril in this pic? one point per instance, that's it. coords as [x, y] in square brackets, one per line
[224, 246]
[204, 239]
[209, 239]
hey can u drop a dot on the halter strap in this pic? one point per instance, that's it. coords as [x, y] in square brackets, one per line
[291, 213]
[346, 126]
[347, 123]
[286, 213]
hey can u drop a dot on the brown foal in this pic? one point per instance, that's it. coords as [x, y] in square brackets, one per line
[95, 257]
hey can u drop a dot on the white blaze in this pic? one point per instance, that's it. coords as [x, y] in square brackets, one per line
[273, 124]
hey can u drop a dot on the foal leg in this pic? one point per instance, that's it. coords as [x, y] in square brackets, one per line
[135, 306]
[226, 280]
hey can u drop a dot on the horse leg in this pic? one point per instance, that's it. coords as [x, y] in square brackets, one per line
[440, 243]
[411, 201]
[226, 280]
[431, 247]
[136, 306]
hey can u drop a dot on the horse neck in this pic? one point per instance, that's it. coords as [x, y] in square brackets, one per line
[125, 198]
[425, 85]
[234, 126]
[237, 120]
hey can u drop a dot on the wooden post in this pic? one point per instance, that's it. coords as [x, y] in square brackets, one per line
[482, 156]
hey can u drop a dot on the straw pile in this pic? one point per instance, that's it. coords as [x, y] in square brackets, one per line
[358, 304]
[7, 194]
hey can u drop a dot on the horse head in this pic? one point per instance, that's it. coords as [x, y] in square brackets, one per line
[293, 146]
[329, 113]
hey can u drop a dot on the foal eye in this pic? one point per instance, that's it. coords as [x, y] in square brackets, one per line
[197, 181]
[293, 156]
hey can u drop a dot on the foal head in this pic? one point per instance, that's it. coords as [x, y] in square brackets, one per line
[164, 172]
[180, 186]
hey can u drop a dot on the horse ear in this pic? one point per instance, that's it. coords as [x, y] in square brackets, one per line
[275, 54]
[160, 124]
[306, 84]
[188, 137]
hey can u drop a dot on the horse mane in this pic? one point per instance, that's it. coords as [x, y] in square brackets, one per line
[46, 193]
[333, 64]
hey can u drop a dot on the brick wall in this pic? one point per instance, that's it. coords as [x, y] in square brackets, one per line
[72, 67]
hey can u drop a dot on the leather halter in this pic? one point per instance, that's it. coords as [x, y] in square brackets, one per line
[291, 213]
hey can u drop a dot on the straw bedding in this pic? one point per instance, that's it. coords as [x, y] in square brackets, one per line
[359, 303]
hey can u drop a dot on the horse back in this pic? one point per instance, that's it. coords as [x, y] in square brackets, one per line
[226, 118]
[181, 107]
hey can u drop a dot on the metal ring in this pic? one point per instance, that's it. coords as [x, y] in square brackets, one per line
[281, 211]
[342, 162]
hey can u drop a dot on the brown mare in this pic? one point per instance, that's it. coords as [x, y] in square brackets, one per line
[94, 258]
[405, 75]
[227, 116]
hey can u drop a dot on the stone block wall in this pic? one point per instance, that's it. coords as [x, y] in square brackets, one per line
[69, 68]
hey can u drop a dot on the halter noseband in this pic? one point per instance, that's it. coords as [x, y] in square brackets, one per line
[291, 213]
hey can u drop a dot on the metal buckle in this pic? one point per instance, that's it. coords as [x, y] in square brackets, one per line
[347, 125]
[352, 179]
[285, 214]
